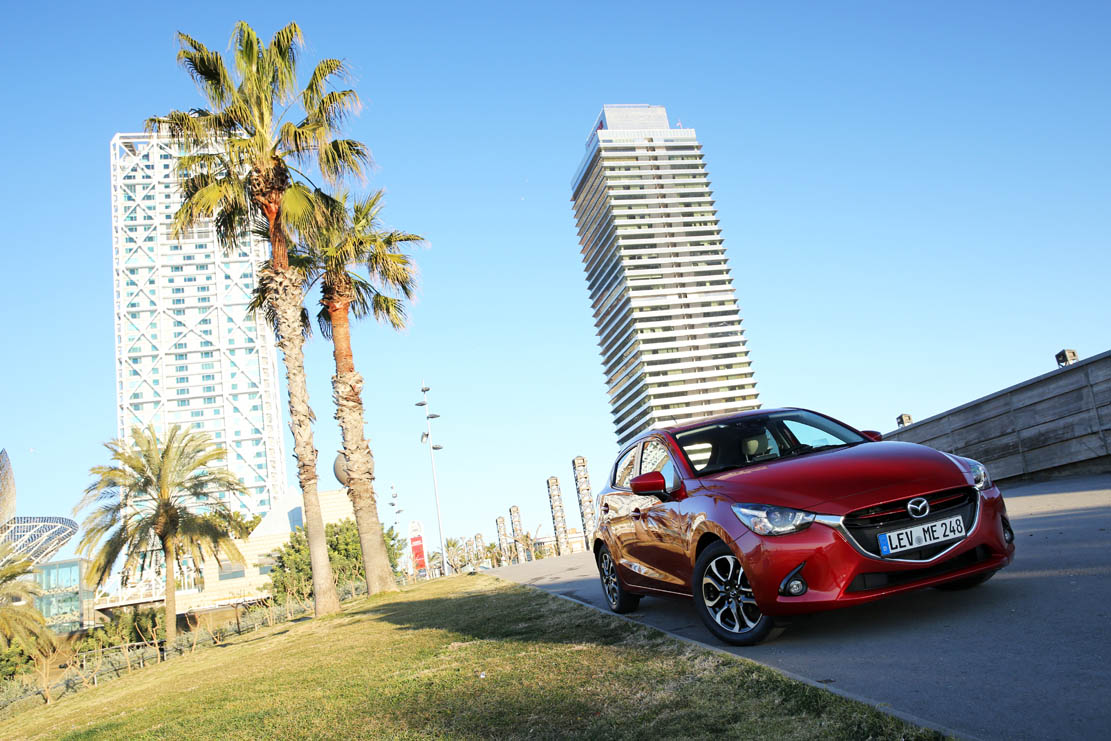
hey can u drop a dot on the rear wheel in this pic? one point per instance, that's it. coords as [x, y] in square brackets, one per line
[619, 599]
[966, 583]
[724, 600]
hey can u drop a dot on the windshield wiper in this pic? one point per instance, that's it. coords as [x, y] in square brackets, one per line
[804, 449]
[718, 469]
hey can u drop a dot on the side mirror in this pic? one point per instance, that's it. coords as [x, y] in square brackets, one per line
[872, 435]
[649, 484]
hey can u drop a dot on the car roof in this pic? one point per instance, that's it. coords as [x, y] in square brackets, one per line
[719, 419]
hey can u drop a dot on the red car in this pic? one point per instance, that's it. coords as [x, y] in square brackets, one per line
[772, 513]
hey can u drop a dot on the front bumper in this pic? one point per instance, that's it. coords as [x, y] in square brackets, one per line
[838, 573]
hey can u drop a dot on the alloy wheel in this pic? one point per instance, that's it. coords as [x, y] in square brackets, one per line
[609, 578]
[728, 597]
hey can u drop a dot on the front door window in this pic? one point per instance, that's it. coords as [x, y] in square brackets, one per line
[655, 457]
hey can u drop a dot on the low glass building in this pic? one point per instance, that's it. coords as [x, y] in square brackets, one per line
[65, 602]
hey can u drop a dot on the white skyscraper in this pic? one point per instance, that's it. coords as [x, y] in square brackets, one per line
[187, 351]
[665, 310]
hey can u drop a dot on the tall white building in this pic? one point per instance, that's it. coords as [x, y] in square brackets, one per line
[666, 313]
[187, 351]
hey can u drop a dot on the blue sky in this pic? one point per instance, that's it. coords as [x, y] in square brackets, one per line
[914, 199]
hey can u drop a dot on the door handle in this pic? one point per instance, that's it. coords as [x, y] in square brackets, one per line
[636, 513]
[605, 509]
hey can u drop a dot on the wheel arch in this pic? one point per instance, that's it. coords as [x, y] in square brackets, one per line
[708, 533]
[704, 541]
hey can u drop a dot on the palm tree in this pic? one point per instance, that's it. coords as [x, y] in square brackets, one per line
[493, 552]
[20, 622]
[243, 165]
[435, 562]
[455, 555]
[345, 240]
[528, 540]
[151, 496]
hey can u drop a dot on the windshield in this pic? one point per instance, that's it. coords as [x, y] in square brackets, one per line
[762, 438]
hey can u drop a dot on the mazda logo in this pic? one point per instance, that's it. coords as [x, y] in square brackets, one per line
[918, 508]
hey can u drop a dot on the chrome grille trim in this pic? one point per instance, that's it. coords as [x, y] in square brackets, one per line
[837, 522]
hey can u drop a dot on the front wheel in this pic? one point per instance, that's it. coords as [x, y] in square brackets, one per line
[619, 599]
[724, 600]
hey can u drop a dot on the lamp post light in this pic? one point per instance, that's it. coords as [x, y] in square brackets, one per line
[426, 437]
[397, 510]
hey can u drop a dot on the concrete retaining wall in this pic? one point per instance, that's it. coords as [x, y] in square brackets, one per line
[1060, 419]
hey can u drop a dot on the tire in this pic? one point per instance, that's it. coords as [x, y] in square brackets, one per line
[723, 598]
[619, 599]
[967, 582]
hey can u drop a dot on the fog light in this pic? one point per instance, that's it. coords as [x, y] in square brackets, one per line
[793, 585]
[1008, 533]
[796, 587]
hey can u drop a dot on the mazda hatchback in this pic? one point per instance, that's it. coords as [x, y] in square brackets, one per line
[771, 513]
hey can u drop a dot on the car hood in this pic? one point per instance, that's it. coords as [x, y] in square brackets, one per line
[841, 480]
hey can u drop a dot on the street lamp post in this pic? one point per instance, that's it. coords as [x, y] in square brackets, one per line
[426, 437]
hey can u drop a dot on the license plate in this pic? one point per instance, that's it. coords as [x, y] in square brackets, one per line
[918, 536]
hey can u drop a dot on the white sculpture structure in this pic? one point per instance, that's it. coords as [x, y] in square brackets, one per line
[37, 538]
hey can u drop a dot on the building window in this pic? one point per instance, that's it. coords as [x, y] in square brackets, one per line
[231, 573]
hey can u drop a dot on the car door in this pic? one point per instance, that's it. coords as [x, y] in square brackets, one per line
[661, 540]
[615, 507]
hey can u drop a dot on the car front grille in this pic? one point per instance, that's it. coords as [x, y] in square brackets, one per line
[864, 525]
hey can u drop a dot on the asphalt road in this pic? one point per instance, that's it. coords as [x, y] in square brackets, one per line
[1027, 655]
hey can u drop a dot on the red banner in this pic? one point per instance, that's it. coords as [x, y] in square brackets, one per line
[417, 546]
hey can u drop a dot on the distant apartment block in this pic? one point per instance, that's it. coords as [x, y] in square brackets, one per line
[187, 350]
[559, 520]
[586, 497]
[518, 533]
[664, 304]
[503, 542]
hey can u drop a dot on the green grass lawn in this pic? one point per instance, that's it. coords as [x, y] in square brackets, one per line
[462, 657]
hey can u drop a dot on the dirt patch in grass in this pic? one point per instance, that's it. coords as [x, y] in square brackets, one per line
[463, 657]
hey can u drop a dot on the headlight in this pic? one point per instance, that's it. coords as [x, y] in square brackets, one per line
[980, 477]
[764, 519]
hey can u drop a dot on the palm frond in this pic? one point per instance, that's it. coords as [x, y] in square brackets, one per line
[340, 158]
[206, 67]
[299, 208]
[183, 126]
[247, 50]
[334, 107]
[281, 56]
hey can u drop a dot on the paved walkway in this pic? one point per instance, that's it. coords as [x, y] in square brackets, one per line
[1024, 656]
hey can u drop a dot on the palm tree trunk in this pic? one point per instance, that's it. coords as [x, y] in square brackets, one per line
[286, 300]
[169, 552]
[347, 387]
